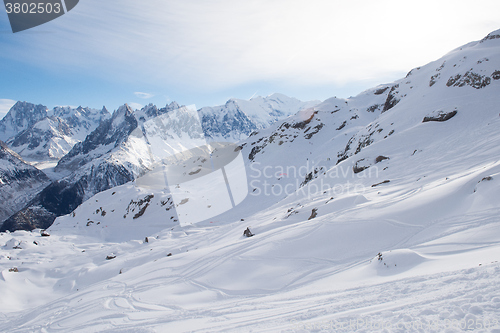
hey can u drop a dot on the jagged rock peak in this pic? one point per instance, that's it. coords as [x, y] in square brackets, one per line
[151, 111]
[21, 109]
[125, 110]
[21, 116]
[172, 106]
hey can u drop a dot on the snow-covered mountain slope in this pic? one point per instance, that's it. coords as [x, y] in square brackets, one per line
[121, 149]
[19, 182]
[92, 168]
[54, 136]
[238, 118]
[373, 214]
[130, 144]
[336, 130]
[20, 117]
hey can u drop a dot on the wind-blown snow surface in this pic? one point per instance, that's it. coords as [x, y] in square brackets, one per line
[381, 215]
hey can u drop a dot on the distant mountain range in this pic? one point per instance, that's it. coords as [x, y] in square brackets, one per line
[96, 151]
[38, 134]
[436, 122]
[237, 119]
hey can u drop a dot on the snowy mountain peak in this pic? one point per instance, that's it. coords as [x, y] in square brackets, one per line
[238, 118]
[492, 35]
[172, 106]
[124, 110]
[281, 98]
[109, 134]
[53, 136]
[151, 111]
[231, 101]
[21, 116]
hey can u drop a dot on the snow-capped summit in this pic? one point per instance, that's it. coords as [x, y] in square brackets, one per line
[151, 111]
[238, 118]
[53, 136]
[109, 134]
[20, 117]
[265, 111]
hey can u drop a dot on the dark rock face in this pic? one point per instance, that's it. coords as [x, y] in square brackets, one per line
[384, 182]
[359, 166]
[380, 91]
[493, 35]
[470, 79]
[62, 197]
[381, 158]
[19, 182]
[373, 108]
[29, 219]
[248, 233]
[391, 100]
[440, 116]
[314, 214]
[434, 79]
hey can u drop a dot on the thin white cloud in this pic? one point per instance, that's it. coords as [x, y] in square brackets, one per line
[209, 45]
[5, 105]
[144, 95]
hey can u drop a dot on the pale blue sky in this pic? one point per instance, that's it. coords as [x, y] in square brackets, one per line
[204, 52]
